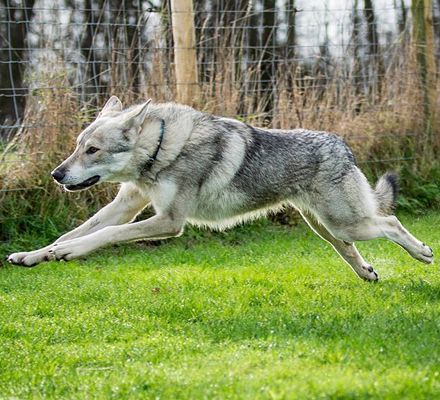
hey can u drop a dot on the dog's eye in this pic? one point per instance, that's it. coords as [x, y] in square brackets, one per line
[92, 150]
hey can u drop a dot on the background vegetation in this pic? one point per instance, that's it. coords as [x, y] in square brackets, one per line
[268, 63]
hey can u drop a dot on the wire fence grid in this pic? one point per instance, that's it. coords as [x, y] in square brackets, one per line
[263, 54]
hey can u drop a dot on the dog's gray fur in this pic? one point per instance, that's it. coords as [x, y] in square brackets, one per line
[217, 172]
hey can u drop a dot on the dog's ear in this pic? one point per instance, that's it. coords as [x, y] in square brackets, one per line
[113, 105]
[136, 116]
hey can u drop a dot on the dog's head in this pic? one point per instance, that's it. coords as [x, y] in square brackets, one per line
[104, 149]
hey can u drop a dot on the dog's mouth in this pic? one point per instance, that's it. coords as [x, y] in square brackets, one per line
[83, 185]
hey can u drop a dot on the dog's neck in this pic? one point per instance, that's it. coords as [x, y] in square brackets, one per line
[152, 158]
[179, 126]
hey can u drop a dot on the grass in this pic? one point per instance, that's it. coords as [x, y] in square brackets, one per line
[262, 311]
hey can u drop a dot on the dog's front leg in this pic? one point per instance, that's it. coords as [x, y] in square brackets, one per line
[157, 227]
[126, 205]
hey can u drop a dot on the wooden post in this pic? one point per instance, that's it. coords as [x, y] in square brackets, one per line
[423, 39]
[185, 57]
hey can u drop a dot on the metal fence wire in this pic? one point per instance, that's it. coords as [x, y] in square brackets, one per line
[281, 63]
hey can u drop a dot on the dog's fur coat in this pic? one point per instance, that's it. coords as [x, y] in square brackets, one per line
[216, 172]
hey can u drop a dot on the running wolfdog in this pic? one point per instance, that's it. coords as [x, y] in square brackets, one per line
[212, 171]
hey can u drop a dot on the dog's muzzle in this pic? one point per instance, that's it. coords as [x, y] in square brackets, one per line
[83, 185]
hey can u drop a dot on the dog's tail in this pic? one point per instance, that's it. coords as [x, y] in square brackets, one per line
[386, 191]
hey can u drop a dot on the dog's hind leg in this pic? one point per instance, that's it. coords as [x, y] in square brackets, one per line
[390, 227]
[346, 250]
[352, 211]
[394, 230]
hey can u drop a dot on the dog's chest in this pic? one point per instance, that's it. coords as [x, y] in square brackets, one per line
[162, 195]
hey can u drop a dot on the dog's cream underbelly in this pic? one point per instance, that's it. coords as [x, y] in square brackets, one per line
[227, 209]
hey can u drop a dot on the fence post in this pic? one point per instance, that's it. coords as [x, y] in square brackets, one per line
[422, 36]
[185, 57]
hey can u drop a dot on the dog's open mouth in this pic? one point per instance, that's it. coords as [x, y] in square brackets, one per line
[83, 185]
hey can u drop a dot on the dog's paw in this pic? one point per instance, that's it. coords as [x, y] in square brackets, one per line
[424, 254]
[368, 274]
[68, 250]
[16, 258]
[427, 254]
[28, 259]
[58, 252]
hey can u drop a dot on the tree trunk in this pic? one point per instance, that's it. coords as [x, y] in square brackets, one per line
[402, 17]
[13, 36]
[422, 36]
[356, 44]
[92, 67]
[373, 44]
[291, 29]
[267, 66]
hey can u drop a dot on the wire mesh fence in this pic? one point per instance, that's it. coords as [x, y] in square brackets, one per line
[337, 65]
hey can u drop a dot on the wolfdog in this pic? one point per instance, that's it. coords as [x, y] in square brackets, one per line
[211, 171]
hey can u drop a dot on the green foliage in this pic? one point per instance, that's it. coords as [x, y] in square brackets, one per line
[420, 192]
[44, 213]
[261, 311]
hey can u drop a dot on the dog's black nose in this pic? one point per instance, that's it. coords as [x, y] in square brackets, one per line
[58, 175]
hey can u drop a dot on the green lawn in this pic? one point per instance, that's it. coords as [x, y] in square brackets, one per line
[257, 312]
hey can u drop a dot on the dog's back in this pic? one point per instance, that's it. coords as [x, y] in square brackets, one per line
[234, 170]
